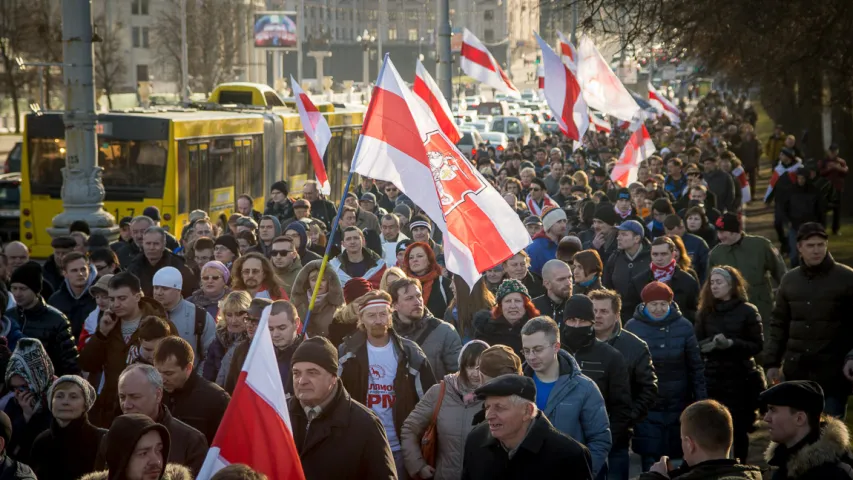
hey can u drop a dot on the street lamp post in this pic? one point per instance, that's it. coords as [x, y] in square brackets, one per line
[366, 40]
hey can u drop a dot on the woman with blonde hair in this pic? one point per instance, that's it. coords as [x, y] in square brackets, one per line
[580, 178]
[230, 331]
[390, 276]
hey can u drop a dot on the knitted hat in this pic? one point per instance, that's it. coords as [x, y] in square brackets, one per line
[511, 285]
[402, 245]
[728, 222]
[789, 152]
[152, 212]
[623, 194]
[606, 214]
[228, 242]
[215, 264]
[551, 216]
[403, 210]
[656, 291]
[87, 389]
[317, 350]
[578, 306]
[420, 220]
[281, 186]
[169, 277]
[355, 288]
[499, 360]
[102, 285]
[28, 275]
[533, 220]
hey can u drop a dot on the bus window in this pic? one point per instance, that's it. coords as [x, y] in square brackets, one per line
[183, 175]
[273, 100]
[257, 167]
[298, 160]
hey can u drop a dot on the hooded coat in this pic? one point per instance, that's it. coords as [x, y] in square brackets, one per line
[681, 379]
[344, 323]
[438, 339]
[455, 421]
[66, 453]
[76, 308]
[540, 251]
[173, 471]
[822, 455]
[305, 255]
[325, 305]
[122, 438]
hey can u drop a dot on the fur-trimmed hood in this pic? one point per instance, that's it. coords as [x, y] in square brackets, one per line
[301, 294]
[174, 471]
[832, 445]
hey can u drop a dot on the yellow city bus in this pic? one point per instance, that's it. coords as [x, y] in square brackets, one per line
[179, 160]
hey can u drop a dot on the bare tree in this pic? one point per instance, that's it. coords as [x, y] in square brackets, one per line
[213, 40]
[45, 38]
[12, 35]
[110, 67]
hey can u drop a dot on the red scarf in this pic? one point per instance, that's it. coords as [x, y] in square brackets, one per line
[664, 274]
[426, 280]
[536, 209]
[622, 214]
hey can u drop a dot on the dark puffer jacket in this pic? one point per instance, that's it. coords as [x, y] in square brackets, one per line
[731, 374]
[75, 308]
[681, 379]
[498, 331]
[684, 287]
[620, 270]
[810, 329]
[50, 326]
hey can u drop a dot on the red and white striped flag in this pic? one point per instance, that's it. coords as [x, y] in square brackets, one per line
[663, 106]
[638, 148]
[601, 124]
[256, 429]
[428, 92]
[778, 172]
[567, 52]
[480, 65]
[540, 74]
[401, 143]
[317, 134]
[602, 90]
[740, 175]
[563, 94]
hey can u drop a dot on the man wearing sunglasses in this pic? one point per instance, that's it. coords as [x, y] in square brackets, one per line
[285, 261]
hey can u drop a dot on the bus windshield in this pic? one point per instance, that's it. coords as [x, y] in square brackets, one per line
[127, 164]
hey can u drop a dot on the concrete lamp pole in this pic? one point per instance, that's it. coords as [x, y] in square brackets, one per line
[82, 188]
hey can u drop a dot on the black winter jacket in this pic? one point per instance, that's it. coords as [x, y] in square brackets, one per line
[804, 204]
[51, 273]
[144, 271]
[282, 211]
[199, 403]
[66, 453]
[544, 453]
[619, 272]
[641, 374]
[533, 283]
[547, 307]
[11, 469]
[330, 436]
[50, 326]
[823, 455]
[731, 375]
[606, 367]
[76, 309]
[810, 329]
[498, 331]
[684, 287]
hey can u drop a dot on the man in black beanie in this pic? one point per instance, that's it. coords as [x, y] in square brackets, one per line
[321, 401]
[39, 320]
[279, 204]
[604, 223]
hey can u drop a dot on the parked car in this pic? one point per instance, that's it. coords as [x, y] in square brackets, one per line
[10, 206]
[13, 160]
[498, 140]
[550, 127]
[514, 127]
[480, 125]
[493, 108]
[468, 143]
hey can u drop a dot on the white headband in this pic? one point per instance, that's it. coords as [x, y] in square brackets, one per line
[374, 303]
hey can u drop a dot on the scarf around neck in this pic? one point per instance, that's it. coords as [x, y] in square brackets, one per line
[663, 274]
[622, 215]
[427, 280]
[537, 209]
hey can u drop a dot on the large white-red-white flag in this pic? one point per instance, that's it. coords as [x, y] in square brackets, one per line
[638, 148]
[317, 134]
[567, 52]
[602, 89]
[600, 124]
[663, 106]
[433, 100]
[563, 94]
[743, 182]
[256, 429]
[401, 143]
[480, 65]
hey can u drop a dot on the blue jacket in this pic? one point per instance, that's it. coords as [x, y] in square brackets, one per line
[540, 251]
[576, 408]
[10, 329]
[675, 187]
[698, 250]
[681, 379]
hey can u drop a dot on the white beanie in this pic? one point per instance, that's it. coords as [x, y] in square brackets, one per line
[169, 277]
[551, 216]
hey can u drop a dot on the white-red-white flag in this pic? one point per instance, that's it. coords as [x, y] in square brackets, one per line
[317, 134]
[743, 182]
[428, 92]
[602, 89]
[663, 106]
[480, 65]
[638, 148]
[401, 143]
[256, 429]
[540, 74]
[600, 124]
[563, 94]
[567, 52]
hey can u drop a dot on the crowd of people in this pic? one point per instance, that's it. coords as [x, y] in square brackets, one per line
[640, 319]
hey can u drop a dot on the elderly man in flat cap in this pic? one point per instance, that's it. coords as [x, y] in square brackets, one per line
[517, 440]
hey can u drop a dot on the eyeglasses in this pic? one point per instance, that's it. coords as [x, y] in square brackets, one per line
[208, 278]
[527, 352]
[280, 253]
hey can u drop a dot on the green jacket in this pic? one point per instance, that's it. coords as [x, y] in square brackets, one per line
[754, 257]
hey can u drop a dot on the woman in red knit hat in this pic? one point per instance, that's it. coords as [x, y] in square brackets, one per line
[419, 262]
[679, 368]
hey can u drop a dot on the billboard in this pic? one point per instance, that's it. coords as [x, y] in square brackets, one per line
[275, 30]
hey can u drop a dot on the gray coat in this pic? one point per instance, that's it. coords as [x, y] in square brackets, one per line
[441, 346]
[183, 316]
